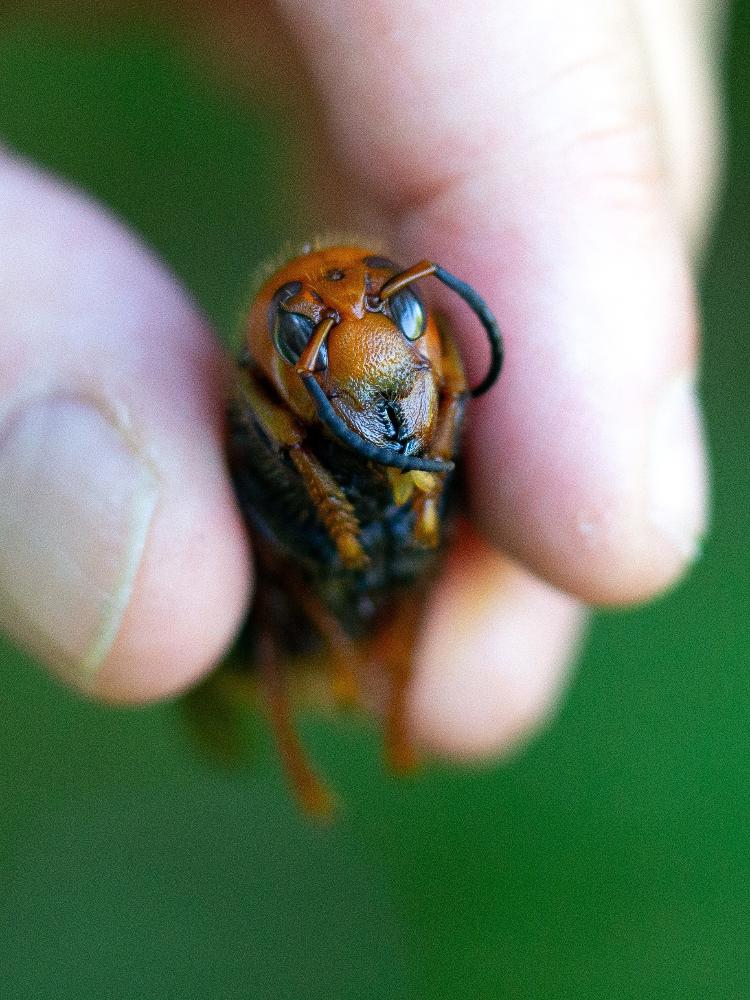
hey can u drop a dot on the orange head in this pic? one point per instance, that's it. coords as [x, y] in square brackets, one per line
[345, 340]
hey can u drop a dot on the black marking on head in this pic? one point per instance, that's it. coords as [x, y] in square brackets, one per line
[335, 274]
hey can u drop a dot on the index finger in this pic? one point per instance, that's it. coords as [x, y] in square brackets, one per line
[518, 145]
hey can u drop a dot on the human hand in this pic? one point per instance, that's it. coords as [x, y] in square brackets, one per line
[527, 151]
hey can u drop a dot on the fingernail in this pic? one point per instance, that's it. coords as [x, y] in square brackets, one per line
[76, 502]
[677, 474]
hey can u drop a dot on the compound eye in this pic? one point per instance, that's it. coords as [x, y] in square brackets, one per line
[291, 333]
[291, 330]
[408, 313]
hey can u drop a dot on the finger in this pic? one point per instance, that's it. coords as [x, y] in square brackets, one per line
[496, 650]
[682, 42]
[123, 565]
[518, 145]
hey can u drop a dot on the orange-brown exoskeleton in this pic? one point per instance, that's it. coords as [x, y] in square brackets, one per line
[343, 430]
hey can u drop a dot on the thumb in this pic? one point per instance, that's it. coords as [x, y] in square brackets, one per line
[123, 565]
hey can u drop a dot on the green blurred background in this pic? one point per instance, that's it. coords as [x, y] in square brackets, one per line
[611, 858]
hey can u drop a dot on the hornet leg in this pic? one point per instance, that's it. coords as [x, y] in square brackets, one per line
[313, 796]
[253, 402]
[395, 650]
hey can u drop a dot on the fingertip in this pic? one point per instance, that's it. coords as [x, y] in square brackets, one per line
[496, 651]
[613, 513]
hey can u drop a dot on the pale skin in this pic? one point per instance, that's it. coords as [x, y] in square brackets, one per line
[561, 158]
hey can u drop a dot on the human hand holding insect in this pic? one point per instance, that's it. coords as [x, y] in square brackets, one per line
[521, 149]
